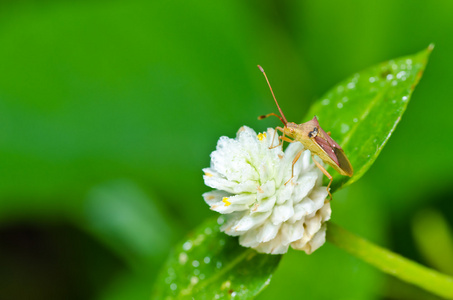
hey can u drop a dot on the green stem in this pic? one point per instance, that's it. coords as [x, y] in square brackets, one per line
[391, 263]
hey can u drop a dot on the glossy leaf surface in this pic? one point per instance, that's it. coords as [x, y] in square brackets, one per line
[362, 111]
[212, 265]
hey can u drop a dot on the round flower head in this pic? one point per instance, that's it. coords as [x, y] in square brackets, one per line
[261, 203]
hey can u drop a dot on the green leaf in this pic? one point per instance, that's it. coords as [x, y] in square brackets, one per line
[362, 111]
[211, 265]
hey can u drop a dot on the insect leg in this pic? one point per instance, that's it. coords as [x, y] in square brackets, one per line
[294, 162]
[273, 138]
[325, 173]
[283, 138]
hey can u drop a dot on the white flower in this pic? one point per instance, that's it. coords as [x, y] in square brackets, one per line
[267, 215]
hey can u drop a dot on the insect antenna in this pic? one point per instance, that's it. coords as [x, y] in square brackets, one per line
[278, 106]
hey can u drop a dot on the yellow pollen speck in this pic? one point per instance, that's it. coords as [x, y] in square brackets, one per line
[225, 200]
[261, 136]
[208, 174]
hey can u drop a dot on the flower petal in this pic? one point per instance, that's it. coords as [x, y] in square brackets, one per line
[281, 213]
[267, 232]
[214, 196]
[264, 205]
[274, 246]
[305, 184]
[292, 232]
[268, 211]
[317, 241]
[251, 221]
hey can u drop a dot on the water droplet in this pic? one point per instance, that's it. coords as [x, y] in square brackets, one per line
[408, 61]
[216, 296]
[220, 220]
[372, 79]
[233, 294]
[168, 280]
[193, 280]
[404, 98]
[218, 264]
[344, 128]
[351, 85]
[355, 120]
[325, 102]
[394, 82]
[267, 281]
[195, 263]
[393, 101]
[345, 99]
[340, 89]
[225, 285]
[208, 231]
[202, 276]
[199, 239]
[183, 258]
[187, 246]
[207, 260]
[400, 74]
[389, 77]
[340, 105]
[173, 286]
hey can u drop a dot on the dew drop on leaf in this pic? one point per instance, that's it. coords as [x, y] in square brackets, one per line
[187, 245]
[183, 258]
[325, 102]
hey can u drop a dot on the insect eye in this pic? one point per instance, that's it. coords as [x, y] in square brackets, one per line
[313, 133]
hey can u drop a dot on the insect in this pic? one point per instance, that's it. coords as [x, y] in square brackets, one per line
[315, 139]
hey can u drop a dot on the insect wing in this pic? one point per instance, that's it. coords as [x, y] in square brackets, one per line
[334, 151]
[328, 149]
[343, 162]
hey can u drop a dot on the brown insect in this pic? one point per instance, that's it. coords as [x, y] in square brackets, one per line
[315, 139]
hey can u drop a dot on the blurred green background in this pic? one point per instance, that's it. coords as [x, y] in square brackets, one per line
[109, 110]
